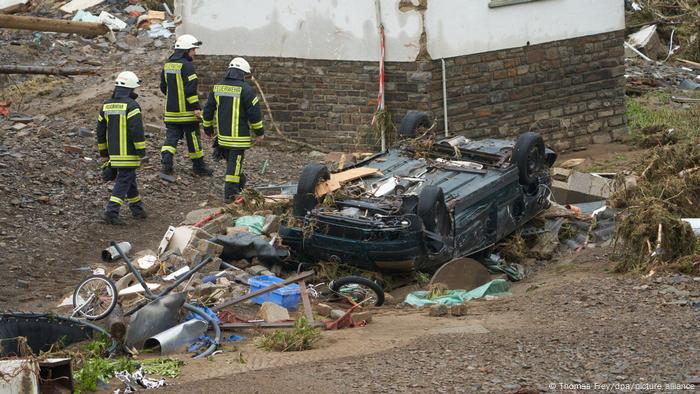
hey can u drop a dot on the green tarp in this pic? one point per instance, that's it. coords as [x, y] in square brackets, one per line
[455, 297]
[254, 223]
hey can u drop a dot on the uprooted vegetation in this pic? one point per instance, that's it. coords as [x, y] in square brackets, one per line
[301, 337]
[650, 232]
[679, 17]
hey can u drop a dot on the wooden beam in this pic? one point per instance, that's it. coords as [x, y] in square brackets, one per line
[291, 279]
[34, 23]
[250, 325]
[16, 69]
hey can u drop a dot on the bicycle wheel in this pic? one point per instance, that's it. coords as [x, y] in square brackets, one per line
[95, 297]
[359, 290]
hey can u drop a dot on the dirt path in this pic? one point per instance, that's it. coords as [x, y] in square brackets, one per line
[571, 324]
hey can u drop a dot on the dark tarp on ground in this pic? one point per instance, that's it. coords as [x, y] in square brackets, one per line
[246, 246]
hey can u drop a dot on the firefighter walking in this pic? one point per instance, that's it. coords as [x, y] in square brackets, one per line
[233, 104]
[178, 81]
[120, 138]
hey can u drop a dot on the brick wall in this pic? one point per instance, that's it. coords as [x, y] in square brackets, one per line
[571, 91]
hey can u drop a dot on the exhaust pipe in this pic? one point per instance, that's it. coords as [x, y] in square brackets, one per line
[111, 254]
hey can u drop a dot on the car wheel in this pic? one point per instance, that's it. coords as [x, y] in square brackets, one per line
[412, 121]
[305, 200]
[528, 155]
[433, 211]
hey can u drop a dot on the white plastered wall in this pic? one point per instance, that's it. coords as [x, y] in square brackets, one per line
[310, 29]
[462, 27]
[347, 29]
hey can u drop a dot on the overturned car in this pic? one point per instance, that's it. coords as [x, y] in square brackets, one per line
[416, 209]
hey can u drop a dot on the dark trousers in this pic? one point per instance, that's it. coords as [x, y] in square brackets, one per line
[174, 132]
[235, 179]
[125, 190]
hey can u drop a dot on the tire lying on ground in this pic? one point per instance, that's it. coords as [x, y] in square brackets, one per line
[305, 199]
[529, 155]
[338, 284]
[433, 210]
[412, 121]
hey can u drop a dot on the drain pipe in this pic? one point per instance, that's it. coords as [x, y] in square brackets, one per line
[444, 97]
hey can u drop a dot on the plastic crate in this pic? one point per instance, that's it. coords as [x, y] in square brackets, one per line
[287, 296]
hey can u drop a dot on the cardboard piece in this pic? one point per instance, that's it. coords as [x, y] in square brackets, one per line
[342, 177]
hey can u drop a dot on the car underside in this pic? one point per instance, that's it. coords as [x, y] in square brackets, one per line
[417, 209]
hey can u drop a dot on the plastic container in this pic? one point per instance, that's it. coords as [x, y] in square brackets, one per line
[287, 296]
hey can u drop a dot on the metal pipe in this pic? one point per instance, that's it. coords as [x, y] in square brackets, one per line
[217, 330]
[132, 269]
[444, 98]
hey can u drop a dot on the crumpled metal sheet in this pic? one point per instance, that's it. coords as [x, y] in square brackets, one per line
[154, 318]
[176, 339]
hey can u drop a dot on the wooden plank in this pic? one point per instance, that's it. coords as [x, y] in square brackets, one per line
[34, 23]
[338, 179]
[251, 325]
[352, 174]
[305, 301]
[17, 69]
[291, 279]
[688, 62]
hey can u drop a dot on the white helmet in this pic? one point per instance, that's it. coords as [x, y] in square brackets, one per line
[187, 41]
[241, 64]
[127, 79]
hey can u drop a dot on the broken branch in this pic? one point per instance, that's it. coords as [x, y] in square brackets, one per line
[14, 69]
[277, 129]
[34, 23]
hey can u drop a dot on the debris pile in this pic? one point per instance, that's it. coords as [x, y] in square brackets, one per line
[651, 233]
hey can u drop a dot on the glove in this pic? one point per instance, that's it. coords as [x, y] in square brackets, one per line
[108, 173]
[104, 153]
[217, 152]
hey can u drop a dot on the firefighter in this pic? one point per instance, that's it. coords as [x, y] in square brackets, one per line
[235, 107]
[120, 138]
[178, 82]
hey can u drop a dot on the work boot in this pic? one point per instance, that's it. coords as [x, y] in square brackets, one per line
[139, 213]
[167, 163]
[200, 168]
[113, 220]
[231, 191]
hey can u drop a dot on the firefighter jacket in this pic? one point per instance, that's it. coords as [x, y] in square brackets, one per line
[120, 130]
[234, 105]
[178, 82]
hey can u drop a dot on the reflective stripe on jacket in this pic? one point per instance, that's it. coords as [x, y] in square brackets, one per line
[235, 107]
[178, 82]
[120, 130]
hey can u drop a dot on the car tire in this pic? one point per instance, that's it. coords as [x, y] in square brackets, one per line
[305, 200]
[528, 155]
[412, 121]
[337, 284]
[433, 211]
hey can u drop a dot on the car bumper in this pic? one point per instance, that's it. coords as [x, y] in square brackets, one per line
[360, 244]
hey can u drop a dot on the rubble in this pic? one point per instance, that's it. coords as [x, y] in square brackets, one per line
[271, 312]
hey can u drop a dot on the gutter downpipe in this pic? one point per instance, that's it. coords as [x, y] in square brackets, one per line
[444, 97]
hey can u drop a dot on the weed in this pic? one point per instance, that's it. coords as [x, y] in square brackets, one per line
[437, 290]
[301, 337]
[99, 369]
[167, 367]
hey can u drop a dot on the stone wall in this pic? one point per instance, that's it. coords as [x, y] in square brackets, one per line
[571, 91]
